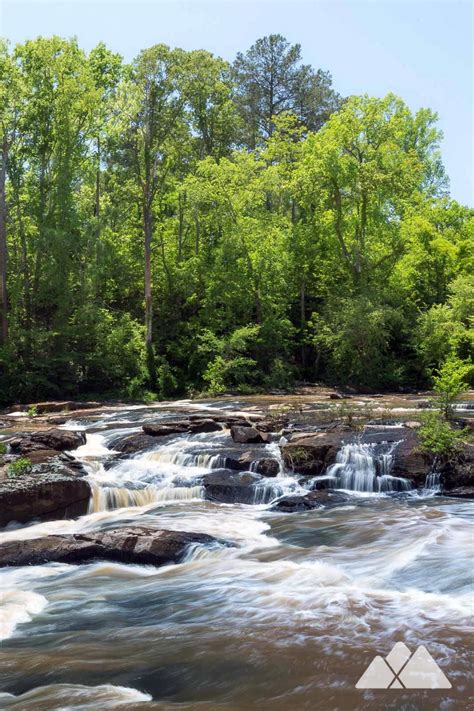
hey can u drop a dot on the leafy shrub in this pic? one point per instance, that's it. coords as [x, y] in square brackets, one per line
[3, 448]
[437, 436]
[449, 383]
[19, 467]
[32, 411]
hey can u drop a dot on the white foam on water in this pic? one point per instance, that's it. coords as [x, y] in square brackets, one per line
[18, 607]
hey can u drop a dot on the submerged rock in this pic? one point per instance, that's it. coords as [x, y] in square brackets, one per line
[46, 491]
[133, 544]
[312, 500]
[53, 439]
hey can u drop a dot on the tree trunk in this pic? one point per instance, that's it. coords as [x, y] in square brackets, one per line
[3, 244]
[148, 229]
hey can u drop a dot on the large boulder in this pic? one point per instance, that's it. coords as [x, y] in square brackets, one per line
[312, 454]
[250, 461]
[52, 439]
[125, 545]
[310, 501]
[132, 443]
[46, 491]
[248, 435]
[409, 461]
[231, 487]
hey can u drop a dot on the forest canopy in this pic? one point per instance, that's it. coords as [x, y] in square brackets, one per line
[180, 224]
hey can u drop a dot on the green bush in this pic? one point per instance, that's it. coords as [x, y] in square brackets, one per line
[19, 467]
[449, 383]
[438, 437]
[3, 448]
[32, 411]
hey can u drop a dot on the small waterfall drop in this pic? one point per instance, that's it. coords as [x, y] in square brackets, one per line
[107, 498]
[355, 469]
[433, 483]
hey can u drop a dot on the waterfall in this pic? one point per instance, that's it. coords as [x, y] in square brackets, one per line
[107, 498]
[355, 469]
[183, 459]
[433, 482]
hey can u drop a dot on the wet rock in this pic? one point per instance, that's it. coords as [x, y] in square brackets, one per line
[266, 466]
[457, 474]
[230, 487]
[53, 439]
[312, 454]
[48, 490]
[135, 544]
[409, 462]
[312, 500]
[248, 435]
[336, 396]
[462, 492]
[130, 444]
[163, 429]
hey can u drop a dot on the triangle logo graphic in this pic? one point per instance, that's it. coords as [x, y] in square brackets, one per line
[402, 670]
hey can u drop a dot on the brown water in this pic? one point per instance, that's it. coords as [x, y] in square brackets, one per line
[287, 619]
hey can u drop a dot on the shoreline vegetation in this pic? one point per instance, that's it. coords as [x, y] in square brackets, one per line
[180, 225]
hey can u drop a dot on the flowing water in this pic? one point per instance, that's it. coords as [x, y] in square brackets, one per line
[289, 618]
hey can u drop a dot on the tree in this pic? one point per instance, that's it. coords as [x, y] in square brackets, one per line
[270, 79]
[153, 105]
[10, 105]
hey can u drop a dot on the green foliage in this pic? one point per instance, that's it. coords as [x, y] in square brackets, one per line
[3, 448]
[449, 383]
[438, 437]
[32, 411]
[179, 224]
[19, 467]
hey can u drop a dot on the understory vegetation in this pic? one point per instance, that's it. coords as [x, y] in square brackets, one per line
[181, 225]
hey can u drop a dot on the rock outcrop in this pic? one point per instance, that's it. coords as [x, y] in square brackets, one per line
[125, 545]
[46, 491]
[248, 435]
[52, 439]
[231, 487]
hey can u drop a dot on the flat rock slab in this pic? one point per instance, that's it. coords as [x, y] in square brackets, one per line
[45, 492]
[52, 439]
[124, 545]
[163, 429]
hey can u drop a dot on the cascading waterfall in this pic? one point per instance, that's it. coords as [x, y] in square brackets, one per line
[107, 498]
[433, 482]
[355, 469]
[184, 459]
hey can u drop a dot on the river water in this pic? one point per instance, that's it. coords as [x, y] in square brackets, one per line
[288, 618]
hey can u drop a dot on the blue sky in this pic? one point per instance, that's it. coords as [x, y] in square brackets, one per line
[421, 50]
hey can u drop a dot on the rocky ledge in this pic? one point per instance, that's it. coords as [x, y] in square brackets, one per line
[53, 439]
[125, 545]
[45, 491]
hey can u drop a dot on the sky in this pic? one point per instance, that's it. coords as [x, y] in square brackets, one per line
[422, 50]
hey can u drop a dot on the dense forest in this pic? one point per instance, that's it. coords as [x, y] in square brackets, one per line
[181, 225]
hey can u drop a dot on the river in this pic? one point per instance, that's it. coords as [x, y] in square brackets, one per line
[287, 618]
